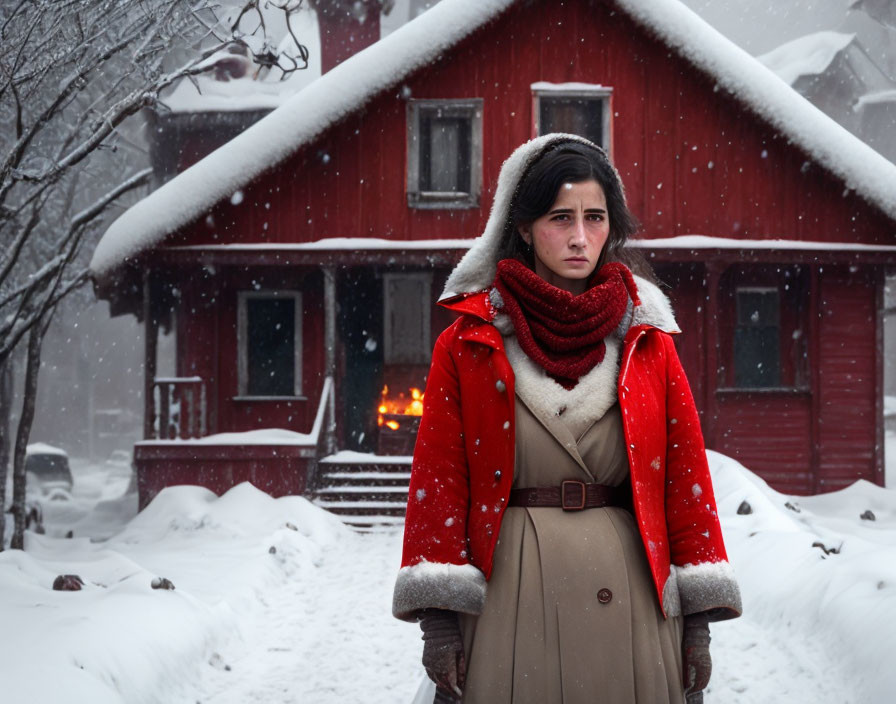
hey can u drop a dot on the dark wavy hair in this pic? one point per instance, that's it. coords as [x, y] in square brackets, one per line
[567, 162]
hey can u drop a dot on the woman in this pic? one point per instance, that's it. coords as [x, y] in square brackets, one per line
[562, 542]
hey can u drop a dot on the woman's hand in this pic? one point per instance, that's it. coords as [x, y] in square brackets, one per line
[695, 655]
[443, 652]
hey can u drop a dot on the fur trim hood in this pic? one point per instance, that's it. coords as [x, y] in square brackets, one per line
[476, 270]
[478, 267]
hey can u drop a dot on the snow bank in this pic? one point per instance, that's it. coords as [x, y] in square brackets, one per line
[276, 600]
[817, 570]
[806, 56]
[357, 80]
[118, 640]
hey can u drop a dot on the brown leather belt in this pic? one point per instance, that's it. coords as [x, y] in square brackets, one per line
[572, 495]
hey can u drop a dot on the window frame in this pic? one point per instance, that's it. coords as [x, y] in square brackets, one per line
[388, 338]
[793, 287]
[589, 91]
[242, 342]
[467, 107]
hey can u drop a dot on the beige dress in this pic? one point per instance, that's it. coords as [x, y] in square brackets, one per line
[544, 637]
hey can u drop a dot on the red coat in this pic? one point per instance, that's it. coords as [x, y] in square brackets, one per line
[463, 471]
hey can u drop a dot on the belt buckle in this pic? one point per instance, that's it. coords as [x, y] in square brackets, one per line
[572, 505]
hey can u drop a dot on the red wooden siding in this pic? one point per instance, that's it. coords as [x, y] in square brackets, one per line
[207, 346]
[687, 292]
[695, 161]
[692, 160]
[847, 379]
[279, 470]
[768, 432]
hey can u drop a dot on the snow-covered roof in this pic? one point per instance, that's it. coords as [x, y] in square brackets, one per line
[357, 80]
[42, 448]
[265, 88]
[260, 436]
[351, 244]
[708, 242]
[878, 97]
[806, 56]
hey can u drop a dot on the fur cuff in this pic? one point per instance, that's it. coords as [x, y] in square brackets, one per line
[438, 585]
[671, 599]
[709, 587]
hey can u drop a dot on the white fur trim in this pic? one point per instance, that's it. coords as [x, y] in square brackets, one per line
[438, 585]
[671, 599]
[581, 405]
[708, 586]
[596, 391]
[655, 308]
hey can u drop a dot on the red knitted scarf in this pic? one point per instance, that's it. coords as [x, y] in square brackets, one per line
[562, 333]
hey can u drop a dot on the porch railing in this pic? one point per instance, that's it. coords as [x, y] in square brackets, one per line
[179, 408]
[324, 429]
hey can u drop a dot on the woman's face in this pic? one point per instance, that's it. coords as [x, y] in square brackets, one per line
[568, 239]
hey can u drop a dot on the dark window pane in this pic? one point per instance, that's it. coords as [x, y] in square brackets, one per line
[757, 308]
[270, 334]
[445, 157]
[756, 357]
[757, 354]
[581, 116]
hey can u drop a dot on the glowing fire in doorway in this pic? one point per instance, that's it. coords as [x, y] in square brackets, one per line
[410, 404]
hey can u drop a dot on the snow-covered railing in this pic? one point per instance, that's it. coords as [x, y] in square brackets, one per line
[326, 403]
[323, 437]
[179, 407]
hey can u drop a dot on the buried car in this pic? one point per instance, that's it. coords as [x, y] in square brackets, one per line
[48, 471]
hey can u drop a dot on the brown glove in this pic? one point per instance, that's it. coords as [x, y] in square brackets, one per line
[695, 656]
[443, 653]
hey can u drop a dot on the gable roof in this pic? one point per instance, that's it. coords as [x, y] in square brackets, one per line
[350, 85]
[806, 56]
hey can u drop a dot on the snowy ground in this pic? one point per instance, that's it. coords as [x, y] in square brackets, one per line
[275, 601]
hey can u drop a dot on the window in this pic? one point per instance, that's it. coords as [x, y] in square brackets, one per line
[269, 331]
[444, 153]
[406, 304]
[574, 108]
[757, 334]
[763, 316]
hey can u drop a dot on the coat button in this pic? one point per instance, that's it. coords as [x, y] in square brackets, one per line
[498, 476]
[500, 386]
[604, 596]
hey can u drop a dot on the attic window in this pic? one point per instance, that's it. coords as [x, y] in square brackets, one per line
[444, 153]
[269, 332]
[575, 108]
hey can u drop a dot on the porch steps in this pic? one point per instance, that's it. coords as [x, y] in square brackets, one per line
[368, 492]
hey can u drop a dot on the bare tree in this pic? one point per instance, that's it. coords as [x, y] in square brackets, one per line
[72, 72]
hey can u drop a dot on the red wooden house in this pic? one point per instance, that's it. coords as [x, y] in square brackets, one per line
[312, 247]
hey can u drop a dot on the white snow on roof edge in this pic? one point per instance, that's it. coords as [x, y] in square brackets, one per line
[42, 448]
[301, 118]
[833, 146]
[351, 84]
[808, 55]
